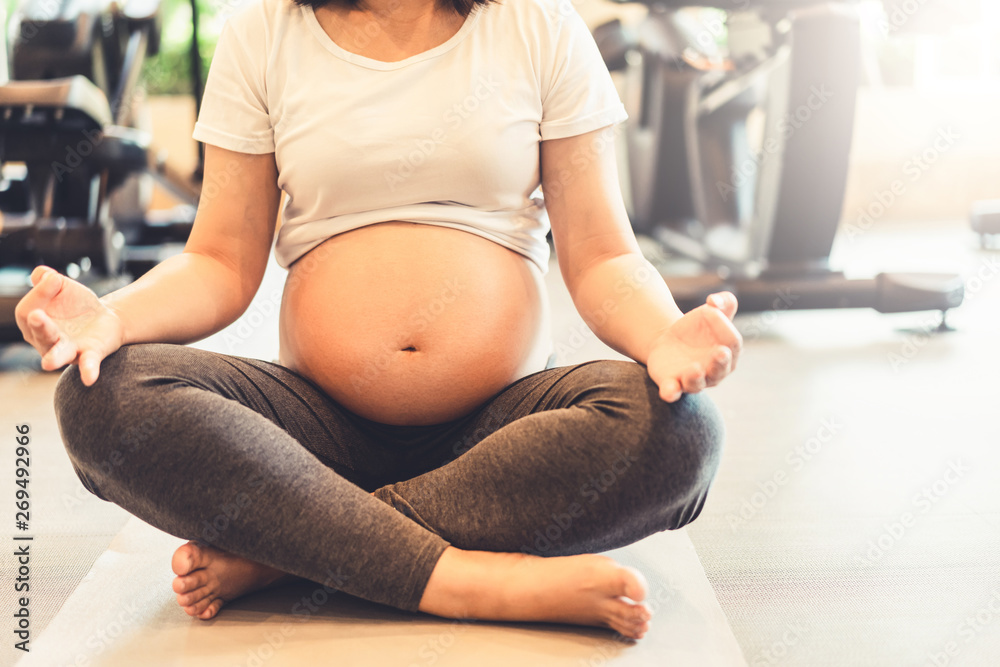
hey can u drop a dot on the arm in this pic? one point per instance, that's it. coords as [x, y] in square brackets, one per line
[181, 300]
[619, 294]
[204, 289]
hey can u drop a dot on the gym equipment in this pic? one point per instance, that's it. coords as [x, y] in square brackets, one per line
[985, 220]
[75, 168]
[738, 144]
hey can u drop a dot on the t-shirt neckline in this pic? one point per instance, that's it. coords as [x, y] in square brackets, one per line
[371, 63]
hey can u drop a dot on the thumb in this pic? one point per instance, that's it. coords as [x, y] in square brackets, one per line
[90, 364]
[39, 272]
[724, 301]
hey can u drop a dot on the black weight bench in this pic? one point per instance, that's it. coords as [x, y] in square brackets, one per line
[75, 170]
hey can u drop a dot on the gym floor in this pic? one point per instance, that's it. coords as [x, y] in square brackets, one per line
[855, 519]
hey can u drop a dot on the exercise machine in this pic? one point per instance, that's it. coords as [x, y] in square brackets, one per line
[76, 167]
[738, 144]
[985, 221]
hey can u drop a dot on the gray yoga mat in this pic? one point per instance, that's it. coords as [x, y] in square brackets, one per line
[124, 613]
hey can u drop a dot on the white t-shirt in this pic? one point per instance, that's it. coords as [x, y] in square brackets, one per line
[448, 137]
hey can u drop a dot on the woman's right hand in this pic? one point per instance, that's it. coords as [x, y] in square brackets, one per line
[66, 322]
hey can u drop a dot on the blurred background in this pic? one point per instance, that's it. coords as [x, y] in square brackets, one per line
[837, 164]
[940, 64]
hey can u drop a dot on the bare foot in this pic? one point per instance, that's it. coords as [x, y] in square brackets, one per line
[585, 590]
[207, 578]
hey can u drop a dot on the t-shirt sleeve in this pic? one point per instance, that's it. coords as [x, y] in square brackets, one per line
[578, 94]
[234, 111]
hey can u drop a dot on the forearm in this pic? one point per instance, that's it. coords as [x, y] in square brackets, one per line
[625, 302]
[181, 300]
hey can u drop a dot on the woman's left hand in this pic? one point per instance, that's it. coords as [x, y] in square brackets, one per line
[698, 350]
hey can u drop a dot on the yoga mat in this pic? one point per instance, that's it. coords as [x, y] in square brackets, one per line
[124, 613]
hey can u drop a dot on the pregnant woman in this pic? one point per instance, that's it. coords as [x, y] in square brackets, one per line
[410, 445]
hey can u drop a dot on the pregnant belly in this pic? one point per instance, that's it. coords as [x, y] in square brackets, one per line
[406, 323]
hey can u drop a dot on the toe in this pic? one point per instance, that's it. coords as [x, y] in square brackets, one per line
[211, 610]
[188, 557]
[633, 584]
[189, 599]
[628, 618]
[639, 613]
[626, 630]
[638, 631]
[191, 582]
[200, 606]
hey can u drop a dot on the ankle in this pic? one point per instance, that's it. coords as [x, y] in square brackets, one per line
[461, 584]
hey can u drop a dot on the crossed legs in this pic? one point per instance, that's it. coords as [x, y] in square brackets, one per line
[268, 476]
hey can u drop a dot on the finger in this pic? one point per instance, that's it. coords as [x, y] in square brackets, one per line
[40, 272]
[62, 353]
[724, 301]
[720, 366]
[37, 297]
[45, 332]
[90, 365]
[693, 379]
[670, 390]
[724, 332]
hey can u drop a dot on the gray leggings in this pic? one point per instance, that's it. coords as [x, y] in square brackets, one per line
[256, 460]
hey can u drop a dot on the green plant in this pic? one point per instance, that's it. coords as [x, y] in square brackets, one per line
[169, 72]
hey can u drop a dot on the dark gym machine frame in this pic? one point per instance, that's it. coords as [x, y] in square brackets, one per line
[67, 115]
[767, 238]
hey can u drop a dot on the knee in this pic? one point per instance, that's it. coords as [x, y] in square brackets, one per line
[90, 419]
[688, 437]
[674, 449]
[680, 454]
